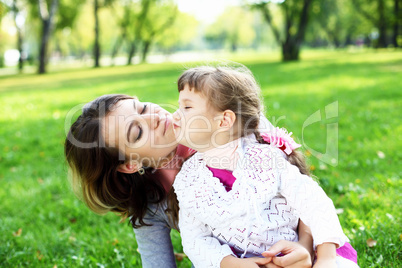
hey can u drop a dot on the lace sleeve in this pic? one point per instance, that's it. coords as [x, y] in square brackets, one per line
[313, 206]
[201, 247]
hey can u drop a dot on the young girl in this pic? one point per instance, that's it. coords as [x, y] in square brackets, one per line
[243, 190]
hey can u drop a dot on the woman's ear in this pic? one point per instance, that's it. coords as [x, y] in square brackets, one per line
[129, 167]
[228, 119]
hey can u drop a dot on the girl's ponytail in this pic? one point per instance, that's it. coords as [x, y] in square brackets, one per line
[296, 157]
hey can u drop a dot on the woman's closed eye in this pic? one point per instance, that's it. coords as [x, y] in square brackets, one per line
[139, 133]
[144, 109]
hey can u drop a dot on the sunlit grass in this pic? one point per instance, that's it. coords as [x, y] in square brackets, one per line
[42, 224]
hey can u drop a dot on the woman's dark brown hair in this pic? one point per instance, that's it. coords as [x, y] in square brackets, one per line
[93, 164]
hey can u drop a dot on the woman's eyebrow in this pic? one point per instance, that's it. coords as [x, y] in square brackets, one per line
[135, 108]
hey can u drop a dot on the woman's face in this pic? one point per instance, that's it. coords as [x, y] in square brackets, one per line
[142, 131]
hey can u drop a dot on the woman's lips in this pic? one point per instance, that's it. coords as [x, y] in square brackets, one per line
[167, 123]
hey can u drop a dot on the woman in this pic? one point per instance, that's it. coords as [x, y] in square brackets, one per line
[124, 157]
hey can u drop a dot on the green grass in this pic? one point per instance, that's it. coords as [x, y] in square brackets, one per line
[42, 224]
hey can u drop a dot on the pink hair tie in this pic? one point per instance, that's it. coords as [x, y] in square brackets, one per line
[281, 139]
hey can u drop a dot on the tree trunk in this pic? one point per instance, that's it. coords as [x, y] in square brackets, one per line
[20, 50]
[47, 27]
[290, 51]
[382, 27]
[234, 46]
[397, 20]
[335, 38]
[348, 40]
[145, 50]
[20, 40]
[131, 53]
[43, 46]
[97, 43]
[291, 46]
[117, 46]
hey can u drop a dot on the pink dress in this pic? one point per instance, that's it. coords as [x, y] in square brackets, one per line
[227, 179]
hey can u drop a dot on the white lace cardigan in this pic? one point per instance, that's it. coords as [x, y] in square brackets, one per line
[264, 206]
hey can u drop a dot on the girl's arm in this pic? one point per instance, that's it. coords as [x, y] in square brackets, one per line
[201, 247]
[326, 256]
[154, 243]
[313, 206]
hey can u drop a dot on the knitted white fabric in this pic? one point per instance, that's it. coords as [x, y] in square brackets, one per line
[264, 206]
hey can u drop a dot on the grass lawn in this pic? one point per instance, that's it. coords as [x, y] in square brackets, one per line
[358, 96]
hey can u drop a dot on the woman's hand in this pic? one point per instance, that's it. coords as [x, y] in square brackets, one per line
[296, 256]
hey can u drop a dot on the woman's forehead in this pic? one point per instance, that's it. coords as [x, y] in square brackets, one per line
[128, 106]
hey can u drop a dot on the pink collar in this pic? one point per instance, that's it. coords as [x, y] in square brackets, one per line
[168, 172]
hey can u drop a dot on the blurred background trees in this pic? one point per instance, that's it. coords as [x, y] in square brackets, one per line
[127, 31]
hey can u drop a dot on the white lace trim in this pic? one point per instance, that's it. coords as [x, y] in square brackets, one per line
[263, 207]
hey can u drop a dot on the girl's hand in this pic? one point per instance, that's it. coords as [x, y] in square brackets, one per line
[296, 256]
[326, 256]
[325, 263]
[234, 262]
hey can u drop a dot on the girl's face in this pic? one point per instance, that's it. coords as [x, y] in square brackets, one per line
[196, 122]
[142, 131]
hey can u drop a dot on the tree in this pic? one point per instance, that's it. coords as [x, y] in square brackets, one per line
[46, 16]
[397, 23]
[229, 29]
[161, 16]
[3, 11]
[180, 35]
[375, 11]
[124, 15]
[335, 21]
[295, 15]
[19, 21]
[136, 29]
[140, 23]
[98, 4]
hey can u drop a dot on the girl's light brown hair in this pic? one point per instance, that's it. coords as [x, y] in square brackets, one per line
[235, 89]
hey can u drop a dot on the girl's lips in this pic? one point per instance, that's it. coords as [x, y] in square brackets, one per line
[175, 126]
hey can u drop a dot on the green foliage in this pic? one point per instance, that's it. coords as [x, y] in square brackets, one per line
[228, 29]
[3, 10]
[161, 15]
[336, 22]
[42, 224]
[180, 34]
[69, 10]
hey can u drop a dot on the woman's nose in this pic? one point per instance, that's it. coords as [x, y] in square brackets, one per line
[176, 115]
[152, 120]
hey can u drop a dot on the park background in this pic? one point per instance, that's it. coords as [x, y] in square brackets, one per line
[307, 55]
